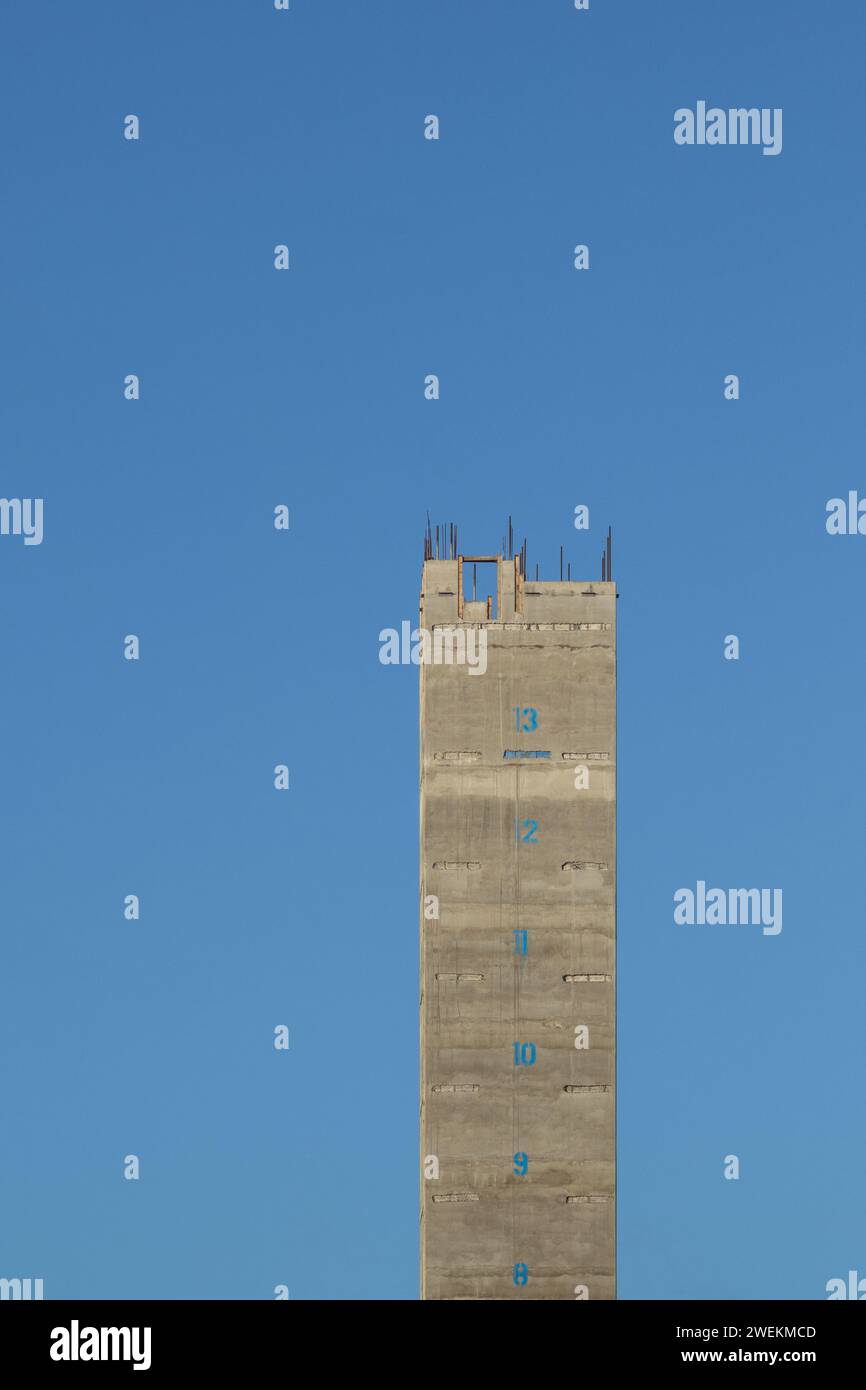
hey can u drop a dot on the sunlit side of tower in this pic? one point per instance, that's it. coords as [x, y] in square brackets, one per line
[518, 930]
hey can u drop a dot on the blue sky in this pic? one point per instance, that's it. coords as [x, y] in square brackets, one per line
[306, 388]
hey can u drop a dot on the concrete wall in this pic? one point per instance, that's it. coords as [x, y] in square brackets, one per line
[552, 647]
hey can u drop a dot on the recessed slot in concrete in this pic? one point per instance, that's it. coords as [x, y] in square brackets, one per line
[456, 979]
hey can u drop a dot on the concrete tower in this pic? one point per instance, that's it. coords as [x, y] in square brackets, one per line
[518, 930]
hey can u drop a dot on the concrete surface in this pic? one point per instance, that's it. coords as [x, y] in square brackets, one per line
[551, 647]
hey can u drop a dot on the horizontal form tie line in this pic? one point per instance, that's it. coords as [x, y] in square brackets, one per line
[591, 979]
[467, 755]
[576, 1200]
[523, 627]
[467, 1089]
[587, 757]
